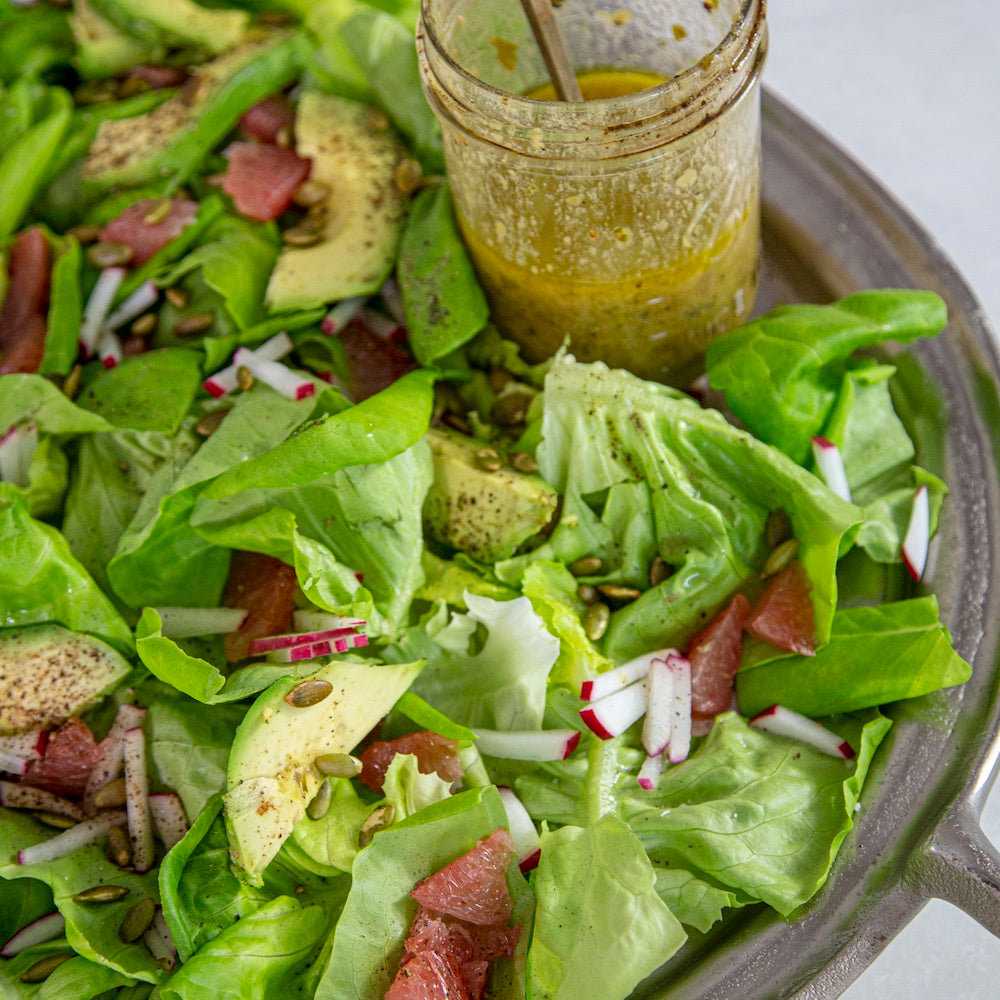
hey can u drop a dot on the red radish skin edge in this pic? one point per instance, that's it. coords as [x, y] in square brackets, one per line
[830, 463]
[799, 727]
[916, 541]
[611, 715]
[44, 928]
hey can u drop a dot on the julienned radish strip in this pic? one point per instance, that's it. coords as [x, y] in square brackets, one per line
[306, 620]
[140, 819]
[96, 310]
[169, 819]
[160, 941]
[382, 326]
[619, 677]
[224, 381]
[522, 830]
[109, 762]
[90, 831]
[18, 751]
[680, 726]
[45, 928]
[134, 305]
[289, 640]
[611, 715]
[276, 374]
[182, 623]
[528, 744]
[649, 773]
[17, 449]
[917, 539]
[14, 795]
[830, 463]
[108, 348]
[656, 726]
[783, 721]
[340, 315]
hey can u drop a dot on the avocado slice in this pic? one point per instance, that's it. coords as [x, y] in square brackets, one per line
[48, 673]
[175, 22]
[102, 49]
[486, 514]
[355, 156]
[271, 776]
[147, 147]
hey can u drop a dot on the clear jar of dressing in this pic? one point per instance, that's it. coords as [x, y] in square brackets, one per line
[628, 224]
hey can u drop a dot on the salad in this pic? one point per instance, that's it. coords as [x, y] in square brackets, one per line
[344, 653]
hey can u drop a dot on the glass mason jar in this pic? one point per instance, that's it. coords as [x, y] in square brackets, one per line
[628, 225]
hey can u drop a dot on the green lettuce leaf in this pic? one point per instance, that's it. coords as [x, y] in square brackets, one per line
[407, 789]
[692, 900]
[596, 895]
[781, 373]
[875, 655]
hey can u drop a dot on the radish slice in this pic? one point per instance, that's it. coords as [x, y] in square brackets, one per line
[340, 315]
[382, 326]
[182, 623]
[17, 449]
[90, 831]
[306, 620]
[619, 677]
[108, 348]
[109, 763]
[11, 764]
[270, 643]
[782, 721]
[169, 819]
[276, 374]
[140, 820]
[830, 463]
[324, 647]
[18, 796]
[522, 830]
[46, 928]
[160, 941]
[18, 751]
[96, 309]
[656, 727]
[649, 773]
[134, 305]
[611, 715]
[530, 744]
[918, 534]
[224, 380]
[680, 726]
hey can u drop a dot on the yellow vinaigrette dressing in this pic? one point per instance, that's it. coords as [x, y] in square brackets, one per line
[626, 226]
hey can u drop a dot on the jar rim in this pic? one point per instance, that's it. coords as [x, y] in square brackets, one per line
[637, 111]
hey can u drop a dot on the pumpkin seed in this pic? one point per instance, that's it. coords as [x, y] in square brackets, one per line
[44, 967]
[87, 232]
[131, 86]
[283, 137]
[489, 460]
[780, 557]
[378, 819]
[101, 894]
[193, 323]
[209, 423]
[111, 795]
[596, 620]
[106, 253]
[319, 806]
[144, 325]
[177, 297]
[338, 765]
[376, 120]
[407, 176]
[55, 820]
[619, 592]
[244, 377]
[588, 593]
[511, 409]
[524, 461]
[586, 566]
[778, 528]
[137, 921]
[310, 193]
[71, 383]
[119, 849]
[658, 571]
[500, 378]
[157, 213]
[456, 422]
[309, 692]
[303, 234]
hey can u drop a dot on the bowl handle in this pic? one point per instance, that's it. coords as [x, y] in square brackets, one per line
[958, 864]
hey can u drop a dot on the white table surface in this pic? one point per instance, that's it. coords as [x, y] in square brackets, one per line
[911, 89]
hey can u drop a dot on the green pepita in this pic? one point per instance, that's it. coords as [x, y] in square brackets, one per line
[144, 325]
[338, 765]
[489, 460]
[209, 423]
[308, 693]
[778, 528]
[111, 795]
[378, 819]
[108, 254]
[101, 894]
[596, 620]
[193, 324]
[137, 921]
[588, 593]
[619, 592]
[57, 821]
[659, 570]
[780, 557]
[319, 806]
[586, 566]
[524, 461]
[119, 849]
[44, 967]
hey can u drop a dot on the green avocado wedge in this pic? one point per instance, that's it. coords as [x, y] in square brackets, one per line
[272, 777]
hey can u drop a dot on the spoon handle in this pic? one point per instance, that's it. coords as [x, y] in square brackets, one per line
[546, 32]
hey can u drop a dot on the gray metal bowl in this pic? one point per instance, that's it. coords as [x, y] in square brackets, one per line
[830, 229]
